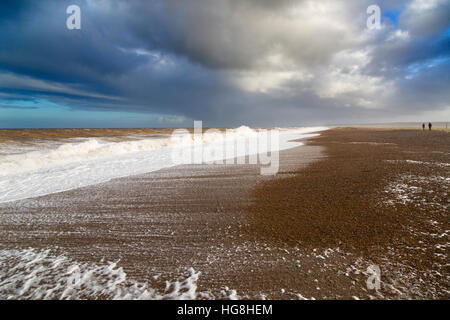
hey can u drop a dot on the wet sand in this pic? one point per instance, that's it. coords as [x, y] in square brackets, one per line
[310, 232]
[157, 224]
[380, 194]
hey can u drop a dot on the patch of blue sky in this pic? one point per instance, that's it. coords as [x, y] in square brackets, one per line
[415, 68]
[392, 16]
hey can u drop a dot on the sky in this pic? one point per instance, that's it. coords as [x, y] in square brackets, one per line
[263, 63]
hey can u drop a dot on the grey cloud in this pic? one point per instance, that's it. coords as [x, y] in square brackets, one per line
[426, 18]
[229, 62]
[238, 34]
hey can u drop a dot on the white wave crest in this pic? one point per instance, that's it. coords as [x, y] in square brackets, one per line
[96, 148]
[73, 165]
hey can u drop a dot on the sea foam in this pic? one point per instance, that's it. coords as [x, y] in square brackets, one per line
[73, 165]
[37, 274]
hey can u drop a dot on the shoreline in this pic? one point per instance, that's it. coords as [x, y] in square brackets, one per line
[158, 224]
[242, 231]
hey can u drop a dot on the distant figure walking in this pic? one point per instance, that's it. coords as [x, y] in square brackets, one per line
[429, 125]
[423, 126]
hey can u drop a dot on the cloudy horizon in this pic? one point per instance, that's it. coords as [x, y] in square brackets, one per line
[165, 63]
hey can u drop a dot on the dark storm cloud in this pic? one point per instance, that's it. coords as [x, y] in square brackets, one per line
[230, 62]
[426, 18]
[40, 45]
[231, 34]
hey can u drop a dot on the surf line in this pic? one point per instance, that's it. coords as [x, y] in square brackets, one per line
[230, 147]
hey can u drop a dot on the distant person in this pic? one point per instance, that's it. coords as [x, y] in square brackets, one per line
[429, 125]
[423, 126]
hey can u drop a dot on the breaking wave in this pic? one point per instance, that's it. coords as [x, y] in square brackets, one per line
[54, 167]
[92, 149]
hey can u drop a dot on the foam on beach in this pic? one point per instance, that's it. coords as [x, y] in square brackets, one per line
[55, 167]
[38, 274]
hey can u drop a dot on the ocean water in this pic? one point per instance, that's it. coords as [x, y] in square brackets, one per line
[45, 167]
[42, 167]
